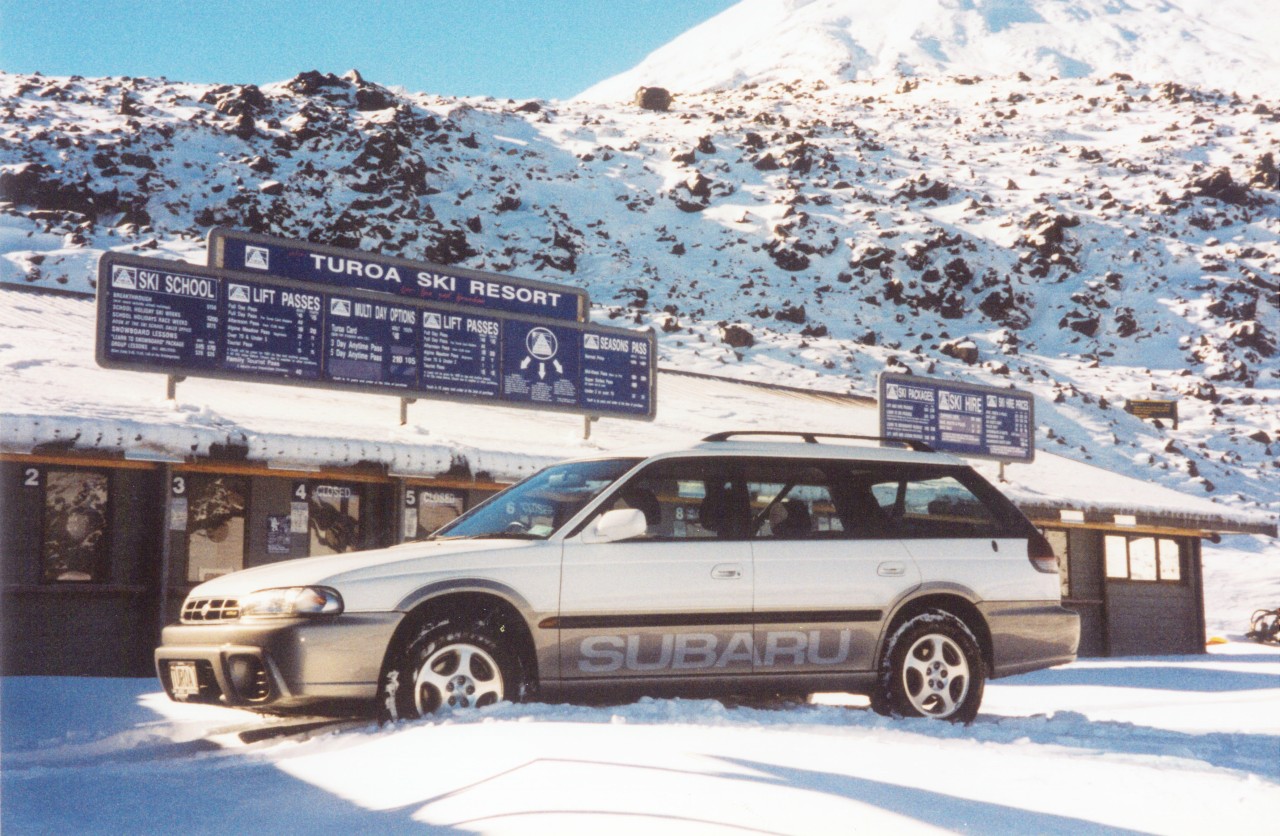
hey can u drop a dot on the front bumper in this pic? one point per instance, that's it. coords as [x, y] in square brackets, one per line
[279, 663]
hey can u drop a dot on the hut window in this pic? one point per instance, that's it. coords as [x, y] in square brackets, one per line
[1139, 558]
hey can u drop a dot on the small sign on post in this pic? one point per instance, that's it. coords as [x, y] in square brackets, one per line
[1148, 410]
[962, 418]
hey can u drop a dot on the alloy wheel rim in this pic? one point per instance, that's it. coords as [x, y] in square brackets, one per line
[935, 676]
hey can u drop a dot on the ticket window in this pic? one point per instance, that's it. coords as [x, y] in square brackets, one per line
[333, 523]
[427, 509]
[215, 511]
[74, 514]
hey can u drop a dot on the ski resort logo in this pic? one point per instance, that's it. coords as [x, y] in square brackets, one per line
[124, 278]
[433, 321]
[340, 307]
[542, 344]
[258, 258]
[238, 293]
[591, 342]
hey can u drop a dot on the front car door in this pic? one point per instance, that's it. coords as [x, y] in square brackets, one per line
[676, 602]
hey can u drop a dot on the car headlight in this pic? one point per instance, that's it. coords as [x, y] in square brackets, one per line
[291, 601]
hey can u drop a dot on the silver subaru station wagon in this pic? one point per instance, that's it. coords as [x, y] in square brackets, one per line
[745, 565]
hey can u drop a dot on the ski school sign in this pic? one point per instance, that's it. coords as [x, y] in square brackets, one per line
[335, 267]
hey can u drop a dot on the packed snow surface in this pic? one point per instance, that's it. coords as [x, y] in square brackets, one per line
[1151, 745]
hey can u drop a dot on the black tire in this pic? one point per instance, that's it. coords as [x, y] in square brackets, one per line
[451, 666]
[932, 668]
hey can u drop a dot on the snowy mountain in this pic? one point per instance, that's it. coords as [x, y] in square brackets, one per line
[1227, 44]
[1089, 240]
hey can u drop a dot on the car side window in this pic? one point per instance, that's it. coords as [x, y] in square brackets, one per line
[792, 501]
[926, 504]
[684, 499]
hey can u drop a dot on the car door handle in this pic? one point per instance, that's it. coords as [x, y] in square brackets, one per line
[726, 571]
[891, 570]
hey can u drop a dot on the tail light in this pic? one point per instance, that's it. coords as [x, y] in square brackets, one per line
[1041, 555]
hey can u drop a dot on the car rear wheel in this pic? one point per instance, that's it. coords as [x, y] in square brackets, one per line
[450, 668]
[933, 669]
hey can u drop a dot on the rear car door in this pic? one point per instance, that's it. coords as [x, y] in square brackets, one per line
[828, 568]
[676, 602]
[955, 527]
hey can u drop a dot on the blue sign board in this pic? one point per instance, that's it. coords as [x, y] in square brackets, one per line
[961, 418]
[540, 365]
[343, 269]
[271, 330]
[460, 353]
[180, 319]
[372, 343]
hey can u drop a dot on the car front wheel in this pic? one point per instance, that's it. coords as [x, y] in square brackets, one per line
[933, 668]
[448, 668]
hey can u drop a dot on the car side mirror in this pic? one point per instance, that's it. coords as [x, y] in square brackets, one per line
[612, 526]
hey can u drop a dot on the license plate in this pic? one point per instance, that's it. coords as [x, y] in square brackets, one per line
[182, 676]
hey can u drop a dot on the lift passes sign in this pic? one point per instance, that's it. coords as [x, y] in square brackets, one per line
[355, 270]
[180, 319]
[961, 418]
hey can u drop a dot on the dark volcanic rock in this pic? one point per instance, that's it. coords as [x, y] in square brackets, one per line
[1220, 186]
[736, 336]
[653, 98]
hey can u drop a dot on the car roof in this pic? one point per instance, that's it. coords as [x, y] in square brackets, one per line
[786, 445]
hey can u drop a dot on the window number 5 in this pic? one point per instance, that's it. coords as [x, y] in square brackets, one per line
[410, 498]
[31, 477]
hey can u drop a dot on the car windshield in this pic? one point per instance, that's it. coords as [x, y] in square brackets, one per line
[535, 508]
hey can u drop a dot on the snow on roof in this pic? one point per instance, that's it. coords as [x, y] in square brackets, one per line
[56, 397]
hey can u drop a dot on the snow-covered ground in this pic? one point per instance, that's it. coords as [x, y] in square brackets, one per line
[1152, 745]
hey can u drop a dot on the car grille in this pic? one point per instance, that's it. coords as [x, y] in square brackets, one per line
[200, 610]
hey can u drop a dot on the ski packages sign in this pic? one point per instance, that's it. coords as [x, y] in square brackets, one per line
[180, 319]
[961, 418]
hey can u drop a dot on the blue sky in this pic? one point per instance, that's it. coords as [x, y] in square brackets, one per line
[504, 48]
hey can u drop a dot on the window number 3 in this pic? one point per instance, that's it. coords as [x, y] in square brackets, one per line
[179, 485]
[31, 477]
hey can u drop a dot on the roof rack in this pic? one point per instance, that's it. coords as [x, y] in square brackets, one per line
[812, 438]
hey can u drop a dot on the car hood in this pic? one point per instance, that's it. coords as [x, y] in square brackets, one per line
[335, 570]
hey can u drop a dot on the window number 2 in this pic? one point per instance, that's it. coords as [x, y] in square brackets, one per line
[31, 477]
